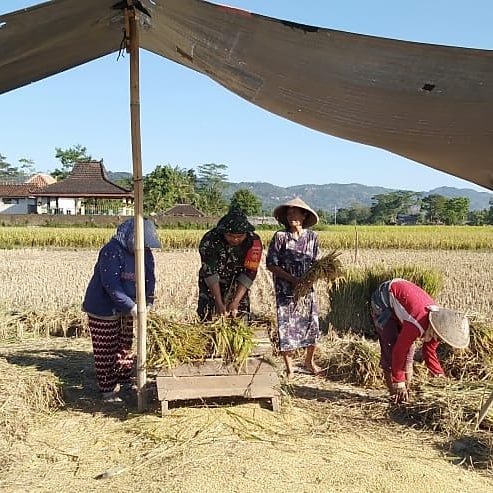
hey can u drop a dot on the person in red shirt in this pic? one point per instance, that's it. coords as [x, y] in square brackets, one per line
[402, 313]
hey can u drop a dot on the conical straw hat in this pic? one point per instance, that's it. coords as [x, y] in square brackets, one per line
[281, 210]
[451, 326]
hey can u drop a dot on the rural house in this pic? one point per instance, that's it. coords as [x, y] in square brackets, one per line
[87, 190]
[20, 198]
[186, 210]
[407, 219]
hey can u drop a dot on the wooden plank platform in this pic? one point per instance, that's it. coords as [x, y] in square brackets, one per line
[256, 379]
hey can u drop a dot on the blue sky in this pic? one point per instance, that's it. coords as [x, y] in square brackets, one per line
[188, 120]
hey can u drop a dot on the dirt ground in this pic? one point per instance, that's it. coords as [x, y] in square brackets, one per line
[328, 437]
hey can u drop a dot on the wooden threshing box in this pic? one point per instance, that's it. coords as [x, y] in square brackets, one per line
[256, 379]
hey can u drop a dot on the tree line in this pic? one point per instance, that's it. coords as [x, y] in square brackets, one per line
[205, 188]
[405, 207]
[164, 187]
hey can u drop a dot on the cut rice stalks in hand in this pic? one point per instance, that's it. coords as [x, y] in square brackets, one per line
[328, 269]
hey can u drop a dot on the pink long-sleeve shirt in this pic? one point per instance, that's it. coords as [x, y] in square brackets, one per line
[411, 306]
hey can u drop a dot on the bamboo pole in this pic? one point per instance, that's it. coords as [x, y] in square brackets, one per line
[139, 203]
[484, 410]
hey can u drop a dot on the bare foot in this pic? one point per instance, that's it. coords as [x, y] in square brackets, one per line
[314, 369]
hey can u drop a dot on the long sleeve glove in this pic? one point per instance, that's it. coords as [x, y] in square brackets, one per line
[133, 311]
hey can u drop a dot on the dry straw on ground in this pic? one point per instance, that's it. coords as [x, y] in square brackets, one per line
[25, 394]
[467, 285]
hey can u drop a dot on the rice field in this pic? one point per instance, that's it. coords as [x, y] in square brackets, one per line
[46, 280]
[50, 282]
[331, 237]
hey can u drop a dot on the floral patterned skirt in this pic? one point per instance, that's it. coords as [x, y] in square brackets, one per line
[297, 322]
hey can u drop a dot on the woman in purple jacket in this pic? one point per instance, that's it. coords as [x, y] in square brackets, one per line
[110, 305]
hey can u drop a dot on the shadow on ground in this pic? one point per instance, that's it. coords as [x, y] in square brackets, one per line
[75, 370]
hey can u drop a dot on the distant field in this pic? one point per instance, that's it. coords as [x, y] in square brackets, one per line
[332, 237]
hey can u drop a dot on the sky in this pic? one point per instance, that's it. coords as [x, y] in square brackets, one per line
[188, 120]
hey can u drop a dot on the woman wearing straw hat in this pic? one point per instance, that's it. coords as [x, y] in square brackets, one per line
[291, 253]
[230, 254]
[402, 313]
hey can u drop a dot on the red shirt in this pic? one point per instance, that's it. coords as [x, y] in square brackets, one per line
[411, 307]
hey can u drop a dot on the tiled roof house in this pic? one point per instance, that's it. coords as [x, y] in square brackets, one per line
[88, 179]
[41, 180]
[80, 191]
[20, 198]
[184, 210]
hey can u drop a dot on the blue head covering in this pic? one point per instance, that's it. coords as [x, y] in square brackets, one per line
[125, 235]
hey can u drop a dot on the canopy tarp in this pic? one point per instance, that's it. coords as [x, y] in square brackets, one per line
[429, 103]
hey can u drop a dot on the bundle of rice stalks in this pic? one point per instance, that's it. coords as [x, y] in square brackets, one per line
[474, 363]
[448, 407]
[171, 343]
[351, 360]
[328, 268]
[349, 297]
[67, 322]
[232, 340]
[25, 393]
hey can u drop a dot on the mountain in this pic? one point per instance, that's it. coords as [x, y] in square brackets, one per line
[118, 175]
[479, 200]
[336, 195]
[326, 197]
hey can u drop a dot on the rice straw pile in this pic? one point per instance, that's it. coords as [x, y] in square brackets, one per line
[25, 393]
[474, 363]
[349, 296]
[66, 322]
[170, 343]
[328, 268]
[352, 360]
[449, 407]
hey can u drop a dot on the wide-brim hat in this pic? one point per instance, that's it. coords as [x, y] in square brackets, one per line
[281, 211]
[451, 326]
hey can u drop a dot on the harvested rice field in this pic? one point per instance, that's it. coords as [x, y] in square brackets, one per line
[334, 433]
[47, 280]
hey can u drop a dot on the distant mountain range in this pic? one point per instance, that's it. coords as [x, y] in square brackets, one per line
[333, 195]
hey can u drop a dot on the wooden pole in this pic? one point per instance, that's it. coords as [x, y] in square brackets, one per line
[484, 410]
[133, 27]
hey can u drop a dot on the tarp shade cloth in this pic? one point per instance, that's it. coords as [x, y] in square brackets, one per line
[429, 103]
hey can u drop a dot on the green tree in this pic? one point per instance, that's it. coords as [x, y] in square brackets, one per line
[477, 218]
[210, 185]
[11, 173]
[246, 201]
[432, 206]
[387, 206]
[7, 171]
[27, 167]
[68, 157]
[489, 217]
[359, 214]
[127, 182]
[324, 216]
[455, 210]
[341, 216]
[167, 186]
